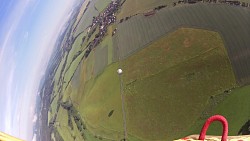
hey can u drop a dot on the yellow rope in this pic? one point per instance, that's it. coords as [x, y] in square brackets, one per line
[5, 137]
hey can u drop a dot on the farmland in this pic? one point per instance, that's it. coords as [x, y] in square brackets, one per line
[205, 16]
[73, 72]
[132, 7]
[180, 65]
[93, 9]
[80, 14]
[106, 89]
[235, 108]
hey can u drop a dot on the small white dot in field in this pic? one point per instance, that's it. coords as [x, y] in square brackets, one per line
[119, 71]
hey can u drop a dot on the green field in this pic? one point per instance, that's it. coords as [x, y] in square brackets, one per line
[179, 71]
[86, 19]
[235, 108]
[133, 7]
[74, 79]
[173, 77]
[95, 113]
[106, 88]
[187, 60]
[107, 42]
[139, 31]
[102, 4]
[80, 14]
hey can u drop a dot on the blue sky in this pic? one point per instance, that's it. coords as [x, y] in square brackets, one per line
[28, 31]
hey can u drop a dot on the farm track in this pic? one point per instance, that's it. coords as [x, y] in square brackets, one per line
[122, 95]
[230, 21]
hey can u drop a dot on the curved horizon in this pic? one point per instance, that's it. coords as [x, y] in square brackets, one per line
[28, 33]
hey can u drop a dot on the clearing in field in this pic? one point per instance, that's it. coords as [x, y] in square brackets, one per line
[167, 84]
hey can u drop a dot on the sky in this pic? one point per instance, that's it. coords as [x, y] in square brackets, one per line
[28, 32]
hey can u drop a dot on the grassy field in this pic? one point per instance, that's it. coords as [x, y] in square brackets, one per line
[107, 42]
[55, 94]
[76, 47]
[86, 19]
[87, 96]
[132, 7]
[71, 87]
[101, 60]
[135, 33]
[164, 71]
[80, 14]
[196, 69]
[103, 53]
[102, 4]
[179, 71]
[63, 128]
[74, 91]
[235, 108]
[101, 97]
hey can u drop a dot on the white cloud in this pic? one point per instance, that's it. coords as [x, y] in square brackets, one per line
[9, 98]
[4, 45]
[21, 119]
[34, 118]
[34, 137]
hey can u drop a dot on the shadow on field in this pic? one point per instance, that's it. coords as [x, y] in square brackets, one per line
[110, 113]
[245, 129]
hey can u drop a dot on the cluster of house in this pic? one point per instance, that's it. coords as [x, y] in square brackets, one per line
[101, 23]
[231, 2]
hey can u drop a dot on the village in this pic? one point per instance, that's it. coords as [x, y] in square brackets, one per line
[98, 29]
[101, 23]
